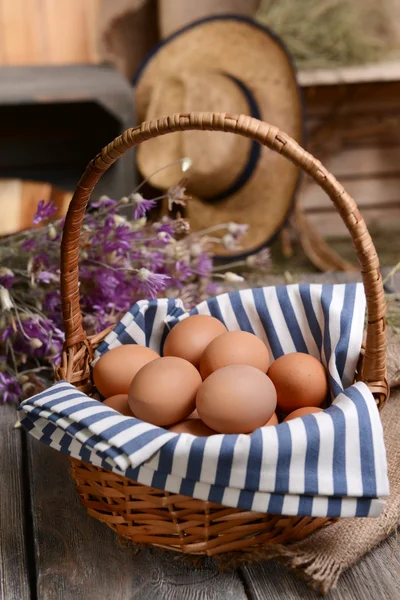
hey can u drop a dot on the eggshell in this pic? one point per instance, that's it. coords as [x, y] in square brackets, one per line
[300, 380]
[119, 403]
[236, 399]
[189, 338]
[193, 426]
[272, 421]
[114, 371]
[164, 391]
[234, 348]
[301, 412]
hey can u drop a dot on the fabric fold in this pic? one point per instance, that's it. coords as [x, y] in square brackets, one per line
[331, 463]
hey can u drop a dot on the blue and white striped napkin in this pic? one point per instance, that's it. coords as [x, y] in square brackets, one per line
[331, 463]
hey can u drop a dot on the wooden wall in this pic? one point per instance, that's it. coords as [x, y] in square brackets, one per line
[48, 32]
[354, 129]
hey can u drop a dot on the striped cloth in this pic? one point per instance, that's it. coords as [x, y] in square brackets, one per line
[331, 463]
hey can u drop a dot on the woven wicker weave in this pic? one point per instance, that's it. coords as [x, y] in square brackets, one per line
[150, 516]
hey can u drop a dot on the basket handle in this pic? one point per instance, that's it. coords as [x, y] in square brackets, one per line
[373, 371]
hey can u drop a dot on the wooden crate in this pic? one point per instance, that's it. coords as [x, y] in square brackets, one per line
[53, 120]
[353, 126]
[19, 201]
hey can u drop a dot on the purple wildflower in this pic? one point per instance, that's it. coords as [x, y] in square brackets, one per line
[183, 270]
[44, 211]
[104, 316]
[52, 301]
[163, 239]
[39, 268]
[109, 224]
[166, 225]
[40, 338]
[29, 245]
[107, 291]
[155, 260]
[108, 280]
[103, 202]
[140, 205]
[203, 265]
[212, 288]
[114, 236]
[151, 283]
[7, 277]
[10, 389]
[46, 277]
[7, 333]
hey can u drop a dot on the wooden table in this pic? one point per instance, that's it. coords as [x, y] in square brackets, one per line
[50, 549]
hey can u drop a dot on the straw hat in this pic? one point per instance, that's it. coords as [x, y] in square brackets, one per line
[223, 64]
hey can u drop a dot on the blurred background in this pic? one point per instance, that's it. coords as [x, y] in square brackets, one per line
[66, 72]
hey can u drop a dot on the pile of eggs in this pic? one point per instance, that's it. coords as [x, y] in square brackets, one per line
[210, 380]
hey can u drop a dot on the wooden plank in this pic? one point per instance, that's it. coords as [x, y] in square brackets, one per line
[375, 576]
[353, 162]
[372, 72]
[24, 85]
[10, 205]
[14, 578]
[330, 224]
[79, 557]
[363, 99]
[70, 31]
[39, 32]
[366, 192]
[21, 45]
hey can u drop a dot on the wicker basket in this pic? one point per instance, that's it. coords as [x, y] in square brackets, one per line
[150, 516]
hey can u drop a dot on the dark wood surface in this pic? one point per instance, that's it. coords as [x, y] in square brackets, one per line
[78, 557]
[73, 556]
[14, 574]
[50, 549]
[375, 577]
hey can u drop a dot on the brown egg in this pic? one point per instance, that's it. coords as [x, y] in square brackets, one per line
[236, 399]
[234, 348]
[193, 426]
[114, 371]
[273, 421]
[119, 403]
[189, 338]
[301, 412]
[164, 391]
[300, 380]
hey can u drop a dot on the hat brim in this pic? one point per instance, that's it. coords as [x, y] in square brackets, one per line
[249, 52]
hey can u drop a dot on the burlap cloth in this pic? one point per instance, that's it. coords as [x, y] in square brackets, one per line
[322, 557]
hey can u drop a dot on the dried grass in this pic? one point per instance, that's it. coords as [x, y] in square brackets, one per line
[321, 33]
